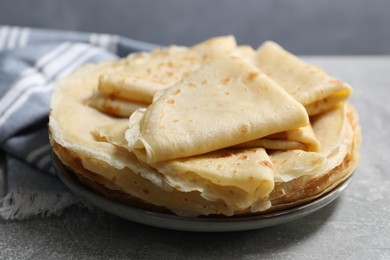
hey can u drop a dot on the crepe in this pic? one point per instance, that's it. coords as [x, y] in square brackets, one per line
[239, 177]
[234, 174]
[237, 99]
[310, 85]
[298, 173]
[132, 82]
[143, 74]
[301, 138]
[116, 96]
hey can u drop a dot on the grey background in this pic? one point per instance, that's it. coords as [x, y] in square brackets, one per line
[302, 26]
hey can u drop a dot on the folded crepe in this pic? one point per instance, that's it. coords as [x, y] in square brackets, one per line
[233, 174]
[119, 95]
[310, 85]
[143, 74]
[224, 103]
[242, 178]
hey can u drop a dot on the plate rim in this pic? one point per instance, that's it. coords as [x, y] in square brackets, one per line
[195, 224]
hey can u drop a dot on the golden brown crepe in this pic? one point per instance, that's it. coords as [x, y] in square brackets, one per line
[143, 74]
[224, 103]
[239, 177]
[310, 85]
[119, 95]
[135, 79]
[208, 154]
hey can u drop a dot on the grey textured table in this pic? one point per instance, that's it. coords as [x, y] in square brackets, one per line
[355, 226]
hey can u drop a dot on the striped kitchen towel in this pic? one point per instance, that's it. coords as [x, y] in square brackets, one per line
[31, 61]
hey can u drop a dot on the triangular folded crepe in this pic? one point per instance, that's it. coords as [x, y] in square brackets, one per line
[224, 103]
[112, 85]
[301, 138]
[143, 74]
[310, 85]
[239, 177]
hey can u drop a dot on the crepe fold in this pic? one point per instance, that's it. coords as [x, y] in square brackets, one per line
[224, 103]
[134, 81]
[226, 139]
[143, 74]
[310, 85]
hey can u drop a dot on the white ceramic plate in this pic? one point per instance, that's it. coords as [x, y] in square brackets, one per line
[199, 224]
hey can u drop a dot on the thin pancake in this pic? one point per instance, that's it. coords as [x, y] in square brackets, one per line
[301, 138]
[239, 177]
[235, 96]
[311, 86]
[142, 75]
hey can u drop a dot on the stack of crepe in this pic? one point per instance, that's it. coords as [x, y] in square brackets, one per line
[215, 128]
